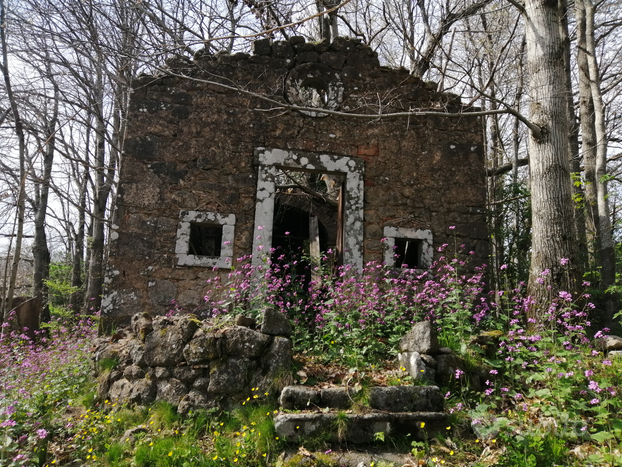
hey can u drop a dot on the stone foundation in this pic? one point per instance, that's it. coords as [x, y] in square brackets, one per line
[191, 363]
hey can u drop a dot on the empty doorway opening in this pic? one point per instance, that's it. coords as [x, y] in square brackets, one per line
[307, 223]
[328, 188]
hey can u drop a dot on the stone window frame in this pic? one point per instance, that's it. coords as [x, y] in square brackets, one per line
[270, 160]
[393, 233]
[227, 221]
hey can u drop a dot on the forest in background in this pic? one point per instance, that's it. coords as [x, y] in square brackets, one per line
[547, 73]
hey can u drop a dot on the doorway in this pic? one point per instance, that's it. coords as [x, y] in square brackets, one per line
[319, 193]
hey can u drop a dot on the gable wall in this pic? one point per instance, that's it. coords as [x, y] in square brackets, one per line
[191, 146]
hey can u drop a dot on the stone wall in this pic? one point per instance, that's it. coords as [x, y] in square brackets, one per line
[192, 363]
[195, 148]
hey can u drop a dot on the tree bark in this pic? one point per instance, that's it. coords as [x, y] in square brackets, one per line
[553, 235]
[92, 298]
[78, 255]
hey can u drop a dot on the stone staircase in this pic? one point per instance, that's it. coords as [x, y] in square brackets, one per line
[340, 414]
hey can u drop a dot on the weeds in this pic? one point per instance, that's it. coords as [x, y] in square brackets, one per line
[550, 396]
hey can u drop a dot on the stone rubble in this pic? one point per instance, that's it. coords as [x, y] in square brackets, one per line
[191, 363]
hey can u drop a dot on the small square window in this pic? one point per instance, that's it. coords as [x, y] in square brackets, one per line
[407, 248]
[205, 239]
[407, 253]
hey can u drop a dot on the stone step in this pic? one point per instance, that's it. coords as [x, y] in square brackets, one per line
[359, 428]
[389, 399]
[392, 410]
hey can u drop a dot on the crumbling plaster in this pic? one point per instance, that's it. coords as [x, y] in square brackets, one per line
[269, 160]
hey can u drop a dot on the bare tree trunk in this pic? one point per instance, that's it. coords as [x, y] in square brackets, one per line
[573, 143]
[19, 132]
[78, 257]
[92, 299]
[605, 234]
[333, 19]
[588, 135]
[40, 251]
[323, 21]
[520, 89]
[232, 23]
[553, 238]
[96, 267]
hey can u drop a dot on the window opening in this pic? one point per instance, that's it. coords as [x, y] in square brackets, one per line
[407, 253]
[407, 248]
[205, 239]
[314, 92]
[292, 231]
[306, 216]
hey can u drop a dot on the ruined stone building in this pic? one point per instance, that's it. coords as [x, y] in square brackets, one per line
[216, 167]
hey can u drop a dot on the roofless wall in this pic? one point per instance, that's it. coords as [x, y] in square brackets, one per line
[210, 173]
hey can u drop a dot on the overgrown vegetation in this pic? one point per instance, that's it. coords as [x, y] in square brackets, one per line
[549, 398]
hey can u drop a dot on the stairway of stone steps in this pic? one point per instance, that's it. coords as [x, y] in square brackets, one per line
[340, 414]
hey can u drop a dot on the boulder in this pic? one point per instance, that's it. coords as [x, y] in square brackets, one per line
[421, 338]
[230, 375]
[276, 323]
[201, 383]
[160, 372]
[333, 59]
[188, 326]
[133, 372]
[120, 390]
[164, 346]
[415, 366]
[141, 325]
[137, 352]
[261, 47]
[274, 369]
[187, 374]
[609, 343]
[429, 360]
[171, 390]
[162, 322]
[282, 49]
[202, 348]
[446, 368]
[143, 392]
[191, 401]
[241, 341]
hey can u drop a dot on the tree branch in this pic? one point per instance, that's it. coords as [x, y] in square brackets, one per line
[412, 113]
[518, 6]
[506, 168]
